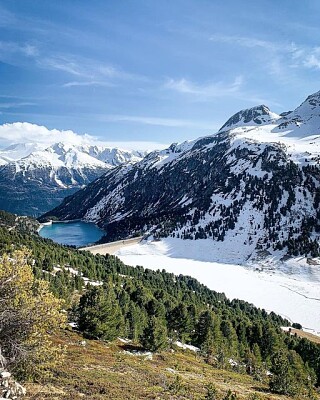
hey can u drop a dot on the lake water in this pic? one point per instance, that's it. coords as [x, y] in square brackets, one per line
[76, 233]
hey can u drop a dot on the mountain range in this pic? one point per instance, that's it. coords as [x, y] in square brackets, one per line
[35, 177]
[252, 188]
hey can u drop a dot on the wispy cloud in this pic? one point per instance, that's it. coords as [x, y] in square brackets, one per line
[159, 121]
[16, 104]
[6, 17]
[245, 42]
[204, 91]
[279, 56]
[88, 72]
[312, 59]
[88, 83]
[65, 64]
[9, 49]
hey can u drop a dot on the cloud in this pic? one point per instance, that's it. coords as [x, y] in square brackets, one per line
[312, 59]
[279, 56]
[6, 17]
[88, 83]
[24, 132]
[245, 42]
[10, 49]
[16, 104]
[65, 64]
[217, 89]
[88, 72]
[158, 121]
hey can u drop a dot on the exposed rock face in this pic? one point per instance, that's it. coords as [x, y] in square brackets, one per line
[9, 388]
[259, 115]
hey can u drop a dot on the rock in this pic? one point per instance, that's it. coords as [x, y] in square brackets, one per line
[312, 261]
[9, 388]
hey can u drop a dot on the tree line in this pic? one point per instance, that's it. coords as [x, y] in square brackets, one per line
[156, 308]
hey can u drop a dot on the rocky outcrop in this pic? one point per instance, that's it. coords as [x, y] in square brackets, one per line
[9, 388]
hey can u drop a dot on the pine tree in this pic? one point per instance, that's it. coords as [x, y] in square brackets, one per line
[282, 379]
[154, 337]
[204, 331]
[99, 313]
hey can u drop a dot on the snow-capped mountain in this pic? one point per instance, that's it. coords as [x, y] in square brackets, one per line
[35, 178]
[259, 115]
[17, 151]
[254, 186]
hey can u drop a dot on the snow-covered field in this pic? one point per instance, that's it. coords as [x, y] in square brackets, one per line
[295, 296]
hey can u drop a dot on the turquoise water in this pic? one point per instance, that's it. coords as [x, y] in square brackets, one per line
[76, 233]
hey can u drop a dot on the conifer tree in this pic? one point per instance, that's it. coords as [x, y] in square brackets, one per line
[99, 313]
[154, 337]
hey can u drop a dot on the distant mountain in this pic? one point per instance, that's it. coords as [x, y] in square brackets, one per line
[252, 189]
[17, 151]
[35, 178]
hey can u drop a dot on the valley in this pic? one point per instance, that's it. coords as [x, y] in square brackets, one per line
[159, 200]
[293, 296]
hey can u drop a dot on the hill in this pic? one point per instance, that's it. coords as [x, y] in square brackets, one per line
[120, 371]
[107, 299]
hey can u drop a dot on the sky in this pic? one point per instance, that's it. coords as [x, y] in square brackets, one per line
[147, 72]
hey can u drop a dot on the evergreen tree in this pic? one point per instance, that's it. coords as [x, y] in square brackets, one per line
[204, 331]
[154, 337]
[282, 379]
[99, 313]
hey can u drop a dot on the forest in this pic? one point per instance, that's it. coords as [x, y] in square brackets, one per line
[107, 299]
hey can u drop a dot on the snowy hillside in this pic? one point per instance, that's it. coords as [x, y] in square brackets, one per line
[252, 189]
[35, 177]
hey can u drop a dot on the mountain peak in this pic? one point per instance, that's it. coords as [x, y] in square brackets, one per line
[305, 119]
[258, 115]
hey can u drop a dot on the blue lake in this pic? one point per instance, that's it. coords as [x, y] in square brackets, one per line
[76, 233]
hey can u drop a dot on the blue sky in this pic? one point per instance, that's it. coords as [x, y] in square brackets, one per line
[155, 71]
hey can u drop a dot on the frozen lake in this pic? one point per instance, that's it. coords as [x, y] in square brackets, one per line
[292, 296]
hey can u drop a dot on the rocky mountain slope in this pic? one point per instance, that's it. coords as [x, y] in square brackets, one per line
[35, 178]
[254, 185]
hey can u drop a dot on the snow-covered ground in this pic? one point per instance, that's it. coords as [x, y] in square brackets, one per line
[295, 296]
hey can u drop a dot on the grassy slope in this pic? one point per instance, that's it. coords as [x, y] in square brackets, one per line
[102, 371]
[306, 335]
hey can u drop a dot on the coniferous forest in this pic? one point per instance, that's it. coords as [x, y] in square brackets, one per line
[108, 299]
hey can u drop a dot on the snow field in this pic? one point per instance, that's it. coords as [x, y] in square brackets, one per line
[295, 297]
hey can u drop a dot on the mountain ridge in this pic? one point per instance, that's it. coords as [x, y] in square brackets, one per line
[35, 178]
[255, 185]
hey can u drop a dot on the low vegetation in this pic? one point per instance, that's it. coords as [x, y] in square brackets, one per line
[153, 309]
[95, 370]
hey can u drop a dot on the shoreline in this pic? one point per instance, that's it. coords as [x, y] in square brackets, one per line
[43, 224]
[111, 247]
